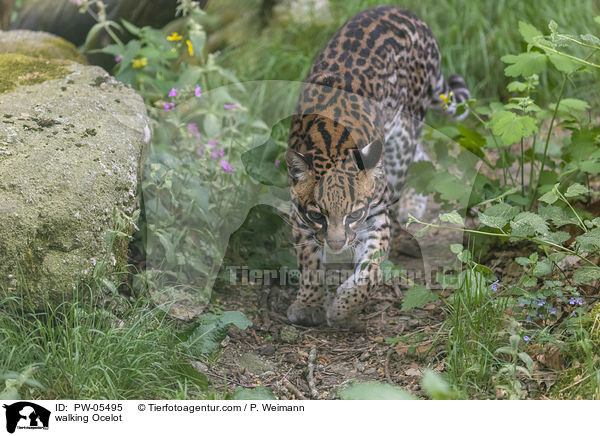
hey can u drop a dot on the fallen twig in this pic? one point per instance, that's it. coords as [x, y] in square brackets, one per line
[293, 389]
[311, 372]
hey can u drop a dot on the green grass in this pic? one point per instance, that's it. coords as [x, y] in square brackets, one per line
[472, 35]
[82, 350]
[474, 323]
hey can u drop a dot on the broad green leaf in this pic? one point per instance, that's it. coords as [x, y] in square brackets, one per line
[496, 222]
[526, 359]
[260, 164]
[524, 64]
[503, 210]
[417, 296]
[571, 105]
[390, 271]
[528, 224]
[597, 19]
[212, 125]
[542, 268]
[512, 127]
[557, 215]
[456, 248]
[563, 63]
[557, 237]
[258, 393]
[134, 30]
[516, 86]
[556, 257]
[549, 197]
[374, 391]
[576, 189]
[471, 140]
[452, 217]
[198, 39]
[587, 274]
[589, 241]
[523, 261]
[436, 386]
[528, 31]
[212, 329]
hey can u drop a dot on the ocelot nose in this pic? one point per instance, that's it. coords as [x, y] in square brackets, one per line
[335, 244]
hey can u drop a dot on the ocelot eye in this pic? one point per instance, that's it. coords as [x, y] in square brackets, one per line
[315, 216]
[357, 214]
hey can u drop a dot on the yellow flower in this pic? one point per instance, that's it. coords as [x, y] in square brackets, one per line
[174, 37]
[139, 63]
[190, 48]
[446, 98]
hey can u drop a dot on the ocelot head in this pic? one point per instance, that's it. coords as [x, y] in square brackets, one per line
[333, 194]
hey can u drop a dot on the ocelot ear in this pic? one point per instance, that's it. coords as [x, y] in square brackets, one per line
[367, 157]
[299, 165]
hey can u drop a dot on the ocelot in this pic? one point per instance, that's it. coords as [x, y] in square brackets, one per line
[354, 134]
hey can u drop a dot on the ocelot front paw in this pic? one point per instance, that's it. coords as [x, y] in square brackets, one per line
[298, 313]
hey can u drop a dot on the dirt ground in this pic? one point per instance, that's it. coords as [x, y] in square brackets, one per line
[296, 362]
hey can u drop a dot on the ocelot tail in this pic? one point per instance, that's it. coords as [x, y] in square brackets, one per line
[356, 131]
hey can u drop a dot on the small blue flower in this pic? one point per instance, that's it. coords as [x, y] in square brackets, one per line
[495, 285]
[571, 301]
[521, 304]
[541, 303]
[526, 338]
[553, 311]
[579, 301]
[528, 319]
[542, 316]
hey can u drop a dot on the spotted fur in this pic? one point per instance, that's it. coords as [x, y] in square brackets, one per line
[357, 128]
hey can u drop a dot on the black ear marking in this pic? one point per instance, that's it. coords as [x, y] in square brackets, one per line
[368, 157]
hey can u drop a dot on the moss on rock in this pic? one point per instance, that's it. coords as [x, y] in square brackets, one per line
[18, 70]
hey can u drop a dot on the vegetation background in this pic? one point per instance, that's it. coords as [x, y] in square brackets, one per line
[520, 325]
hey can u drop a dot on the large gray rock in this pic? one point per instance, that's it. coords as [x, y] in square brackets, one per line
[38, 44]
[71, 147]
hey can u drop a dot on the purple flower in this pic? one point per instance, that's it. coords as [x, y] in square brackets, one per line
[276, 162]
[553, 311]
[579, 301]
[528, 319]
[217, 154]
[226, 167]
[198, 91]
[117, 59]
[193, 128]
[229, 106]
[526, 338]
[169, 106]
[571, 301]
[495, 285]
[212, 143]
[173, 92]
[541, 303]
[78, 2]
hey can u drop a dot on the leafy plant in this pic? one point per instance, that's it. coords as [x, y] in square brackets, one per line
[211, 329]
